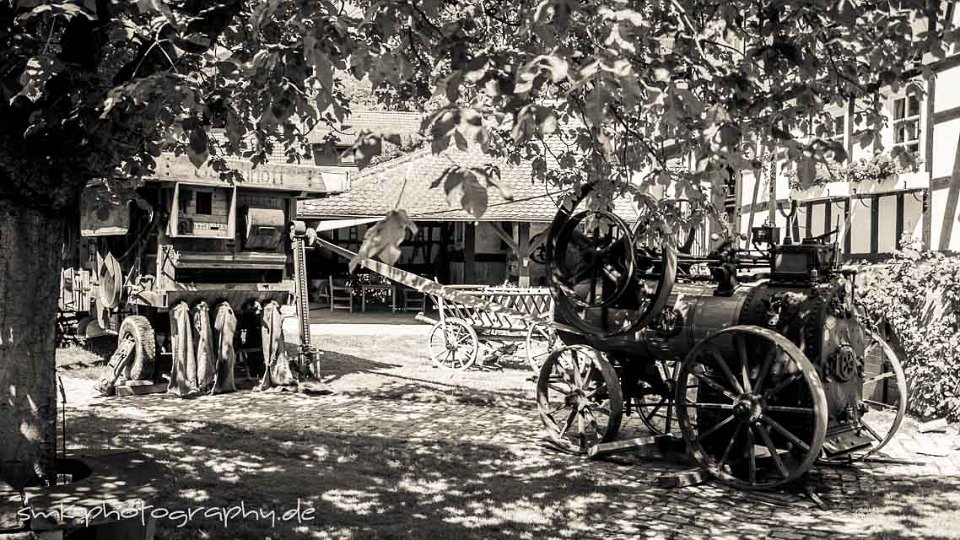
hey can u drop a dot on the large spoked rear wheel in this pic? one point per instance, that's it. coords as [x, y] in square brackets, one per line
[453, 344]
[883, 402]
[579, 398]
[753, 411]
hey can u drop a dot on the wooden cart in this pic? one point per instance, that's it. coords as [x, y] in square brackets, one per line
[457, 338]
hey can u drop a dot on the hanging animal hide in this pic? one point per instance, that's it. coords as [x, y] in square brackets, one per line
[183, 374]
[277, 372]
[206, 360]
[194, 362]
[224, 329]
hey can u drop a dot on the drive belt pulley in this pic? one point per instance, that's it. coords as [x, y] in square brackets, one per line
[608, 278]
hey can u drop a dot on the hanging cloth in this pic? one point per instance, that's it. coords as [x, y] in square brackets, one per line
[277, 372]
[206, 359]
[183, 374]
[224, 328]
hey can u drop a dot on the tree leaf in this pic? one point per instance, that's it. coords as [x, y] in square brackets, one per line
[382, 241]
[197, 150]
[473, 196]
[36, 73]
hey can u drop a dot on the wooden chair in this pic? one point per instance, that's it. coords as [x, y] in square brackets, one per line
[320, 291]
[413, 300]
[341, 295]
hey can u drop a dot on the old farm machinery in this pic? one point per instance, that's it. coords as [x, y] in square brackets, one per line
[198, 273]
[761, 362]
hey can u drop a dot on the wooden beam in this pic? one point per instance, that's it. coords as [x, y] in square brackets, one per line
[896, 241]
[523, 253]
[508, 239]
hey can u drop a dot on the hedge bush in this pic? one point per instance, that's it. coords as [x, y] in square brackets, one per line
[918, 294]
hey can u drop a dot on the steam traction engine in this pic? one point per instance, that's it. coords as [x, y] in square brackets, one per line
[762, 363]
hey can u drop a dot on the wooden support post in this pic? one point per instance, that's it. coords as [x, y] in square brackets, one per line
[899, 228]
[504, 235]
[523, 255]
[828, 216]
[772, 194]
[847, 234]
[469, 253]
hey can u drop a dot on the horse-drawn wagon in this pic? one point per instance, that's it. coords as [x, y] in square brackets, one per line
[462, 332]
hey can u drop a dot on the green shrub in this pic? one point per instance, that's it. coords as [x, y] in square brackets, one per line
[918, 295]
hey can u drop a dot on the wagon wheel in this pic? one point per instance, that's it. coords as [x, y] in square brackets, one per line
[606, 283]
[453, 344]
[655, 403]
[882, 407]
[757, 415]
[540, 342]
[579, 398]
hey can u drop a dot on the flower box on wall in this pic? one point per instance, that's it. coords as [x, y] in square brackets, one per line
[830, 190]
[897, 182]
[841, 190]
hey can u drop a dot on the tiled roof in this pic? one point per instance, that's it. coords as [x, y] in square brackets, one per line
[404, 123]
[405, 182]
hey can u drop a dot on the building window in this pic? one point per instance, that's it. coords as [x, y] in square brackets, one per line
[326, 155]
[204, 203]
[906, 123]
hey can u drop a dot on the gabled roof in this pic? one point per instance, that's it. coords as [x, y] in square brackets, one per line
[404, 182]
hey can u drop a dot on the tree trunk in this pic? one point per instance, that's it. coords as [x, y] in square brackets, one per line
[30, 257]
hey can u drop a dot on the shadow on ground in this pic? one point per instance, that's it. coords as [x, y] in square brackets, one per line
[406, 450]
[451, 464]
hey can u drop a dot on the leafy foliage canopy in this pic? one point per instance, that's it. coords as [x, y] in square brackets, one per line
[606, 91]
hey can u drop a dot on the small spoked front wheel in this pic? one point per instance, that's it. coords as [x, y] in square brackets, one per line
[579, 398]
[883, 400]
[753, 411]
[453, 344]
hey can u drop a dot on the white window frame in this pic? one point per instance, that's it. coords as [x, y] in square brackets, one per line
[916, 119]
